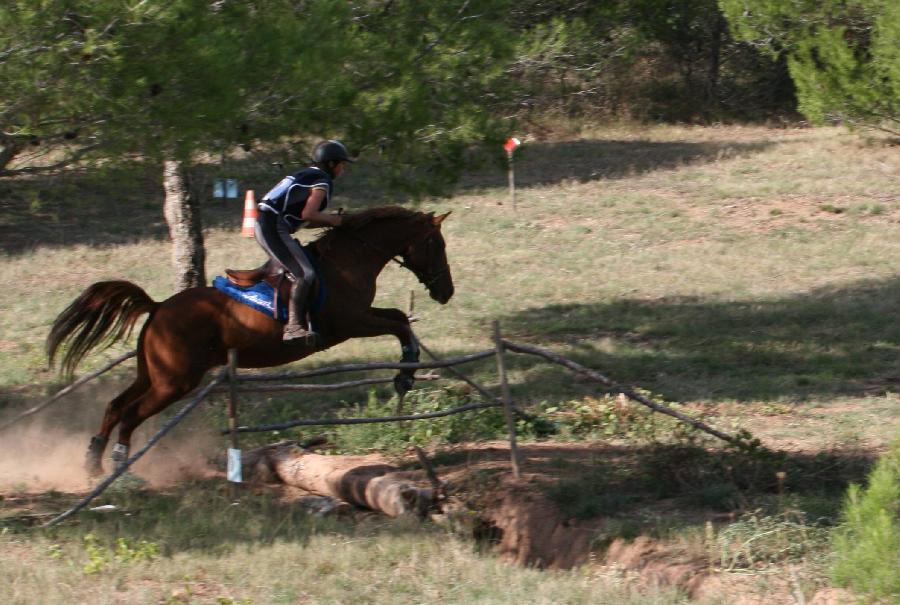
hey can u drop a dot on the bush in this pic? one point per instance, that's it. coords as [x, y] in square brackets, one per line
[395, 437]
[867, 544]
[614, 415]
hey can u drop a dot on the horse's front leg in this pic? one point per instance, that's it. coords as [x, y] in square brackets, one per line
[397, 324]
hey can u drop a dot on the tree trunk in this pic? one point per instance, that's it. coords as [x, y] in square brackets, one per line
[185, 227]
[365, 481]
[713, 70]
[9, 149]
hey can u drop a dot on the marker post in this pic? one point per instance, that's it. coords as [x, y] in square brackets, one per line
[510, 146]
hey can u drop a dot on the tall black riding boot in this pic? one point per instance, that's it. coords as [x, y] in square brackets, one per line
[296, 324]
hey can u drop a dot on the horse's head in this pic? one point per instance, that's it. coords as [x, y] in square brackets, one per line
[426, 257]
[393, 231]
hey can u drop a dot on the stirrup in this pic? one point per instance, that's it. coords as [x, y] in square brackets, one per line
[297, 333]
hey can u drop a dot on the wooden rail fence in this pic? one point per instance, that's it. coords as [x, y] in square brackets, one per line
[230, 381]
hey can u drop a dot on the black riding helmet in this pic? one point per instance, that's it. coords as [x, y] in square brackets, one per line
[330, 151]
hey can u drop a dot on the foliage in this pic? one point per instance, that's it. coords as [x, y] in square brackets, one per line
[394, 437]
[410, 78]
[53, 75]
[124, 552]
[616, 416]
[426, 76]
[417, 82]
[757, 540]
[867, 544]
[117, 79]
[589, 418]
[671, 60]
[843, 56]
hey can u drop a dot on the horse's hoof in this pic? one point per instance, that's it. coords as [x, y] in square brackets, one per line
[94, 468]
[403, 383]
[119, 455]
[93, 461]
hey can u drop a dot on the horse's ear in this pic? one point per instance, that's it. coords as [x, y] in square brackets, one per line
[437, 220]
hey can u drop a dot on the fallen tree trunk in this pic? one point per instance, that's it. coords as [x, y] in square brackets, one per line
[365, 481]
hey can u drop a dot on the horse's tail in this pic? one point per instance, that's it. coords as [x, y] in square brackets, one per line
[105, 312]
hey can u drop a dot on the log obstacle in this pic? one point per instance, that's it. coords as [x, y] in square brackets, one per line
[367, 481]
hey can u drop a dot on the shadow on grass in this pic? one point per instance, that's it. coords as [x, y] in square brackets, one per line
[688, 481]
[112, 205]
[105, 206]
[541, 164]
[198, 516]
[824, 343]
[639, 490]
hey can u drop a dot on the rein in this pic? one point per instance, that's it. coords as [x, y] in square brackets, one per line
[425, 280]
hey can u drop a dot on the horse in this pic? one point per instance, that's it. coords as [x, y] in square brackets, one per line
[191, 332]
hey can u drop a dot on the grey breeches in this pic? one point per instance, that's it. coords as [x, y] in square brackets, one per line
[276, 239]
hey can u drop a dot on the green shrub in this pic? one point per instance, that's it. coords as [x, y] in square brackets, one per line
[614, 415]
[396, 436]
[757, 541]
[867, 544]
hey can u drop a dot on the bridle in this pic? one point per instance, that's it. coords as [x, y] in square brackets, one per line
[426, 280]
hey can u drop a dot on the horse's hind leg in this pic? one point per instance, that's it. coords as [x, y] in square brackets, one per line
[111, 418]
[157, 398]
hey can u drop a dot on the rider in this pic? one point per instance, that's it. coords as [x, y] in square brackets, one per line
[298, 201]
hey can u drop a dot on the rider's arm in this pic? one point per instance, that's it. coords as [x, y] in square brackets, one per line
[313, 216]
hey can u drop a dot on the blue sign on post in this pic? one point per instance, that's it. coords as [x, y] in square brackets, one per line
[225, 189]
[231, 189]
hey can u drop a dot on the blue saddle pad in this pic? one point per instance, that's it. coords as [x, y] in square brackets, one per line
[259, 296]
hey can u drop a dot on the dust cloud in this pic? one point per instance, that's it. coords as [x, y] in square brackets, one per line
[48, 452]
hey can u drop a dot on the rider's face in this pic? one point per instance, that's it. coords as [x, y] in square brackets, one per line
[339, 169]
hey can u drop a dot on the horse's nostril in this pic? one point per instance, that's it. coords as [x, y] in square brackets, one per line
[442, 297]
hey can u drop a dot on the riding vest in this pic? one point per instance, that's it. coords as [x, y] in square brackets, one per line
[288, 197]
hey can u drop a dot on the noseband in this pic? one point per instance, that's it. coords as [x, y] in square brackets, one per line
[424, 279]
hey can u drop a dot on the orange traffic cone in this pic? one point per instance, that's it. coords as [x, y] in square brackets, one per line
[250, 214]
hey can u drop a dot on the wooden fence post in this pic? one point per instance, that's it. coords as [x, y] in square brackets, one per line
[507, 402]
[512, 181]
[234, 452]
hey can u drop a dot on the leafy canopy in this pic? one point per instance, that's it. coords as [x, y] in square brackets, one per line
[411, 78]
[844, 55]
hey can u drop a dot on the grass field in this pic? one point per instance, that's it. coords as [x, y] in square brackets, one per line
[751, 274]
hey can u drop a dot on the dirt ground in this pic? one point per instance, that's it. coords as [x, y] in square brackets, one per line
[614, 508]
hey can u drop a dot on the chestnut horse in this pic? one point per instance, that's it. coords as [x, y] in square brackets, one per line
[192, 331]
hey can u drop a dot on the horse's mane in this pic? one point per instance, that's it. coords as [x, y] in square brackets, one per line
[357, 220]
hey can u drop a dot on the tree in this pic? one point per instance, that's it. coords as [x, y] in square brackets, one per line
[53, 64]
[409, 78]
[867, 543]
[428, 78]
[844, 56]
[643, 59]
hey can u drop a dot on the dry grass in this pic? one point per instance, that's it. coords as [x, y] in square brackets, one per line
[747, 271]
[381, 565]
